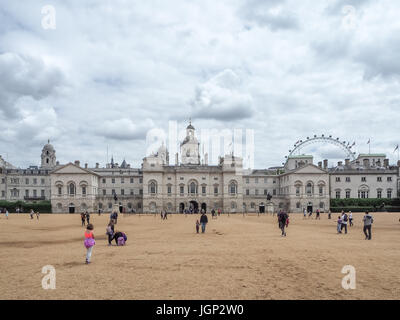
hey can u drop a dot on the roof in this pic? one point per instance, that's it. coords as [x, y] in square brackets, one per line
[303, 156]
[372, 155]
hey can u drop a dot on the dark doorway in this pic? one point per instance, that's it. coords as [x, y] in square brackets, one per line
[309, 208]
[204, 207]
[71, 209]
[261, 208]
[194, 207]
[181, 207]
[121, 208]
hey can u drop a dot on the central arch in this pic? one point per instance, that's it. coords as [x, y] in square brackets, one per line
[194, 206]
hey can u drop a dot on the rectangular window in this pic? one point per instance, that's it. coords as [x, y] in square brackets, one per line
[113, 191]
[140, 180]
[247, 180]
[132, 192]
[337, 179]
[203, 189]
[59, 191]
[26, 193]
[347, 194]
[113, 180]
[140, 191]
[182, 189]
[84, 191]
[298, 191]
[42, 193]
[274, 192]
[265, 180]
[379, 194]
[389, 194]
[169, 190]
[363, 179]
[389, 179]
[247, 192]
[256, 192]
[34, 193]
[104, 180]
[215, 190]
[34, 181]
[265, 192]
[379, 179]
[348, 179]
[42, 181]
[122, 192]
[321, 191]
[26, 181]
[3, 194]
[104, 192]
[256, 180]
[337, 194]
[131, 180]
[122, 180]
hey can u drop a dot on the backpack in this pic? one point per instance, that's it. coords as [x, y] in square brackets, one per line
[89, 242]
[121, 241]
[345, 218]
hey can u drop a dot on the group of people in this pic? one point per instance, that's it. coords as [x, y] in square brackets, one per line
[214, 213]
[310, 213]
[33, 213]
[164, 215]
[89, 242]
[345, 219]
[203, 222]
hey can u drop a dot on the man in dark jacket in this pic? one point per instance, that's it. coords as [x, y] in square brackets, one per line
[368, 220]
[282, 217]
[203, 222]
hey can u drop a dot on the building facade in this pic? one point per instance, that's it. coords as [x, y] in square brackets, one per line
[192, 184]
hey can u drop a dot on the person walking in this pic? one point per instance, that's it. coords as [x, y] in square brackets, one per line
[32, 213]
[329, 214]
[110, 232]
[351, 218]
[87, 217]
[203, 222]
[83, 218]
[6, 214]
[282, 218]
[368, 221]
[37, 215]
[317, 215]
[304, 213]
[339, 224]
[89, 242]
[197, 226]
[345, 218]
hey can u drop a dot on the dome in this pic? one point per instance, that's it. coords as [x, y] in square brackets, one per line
[48, 146]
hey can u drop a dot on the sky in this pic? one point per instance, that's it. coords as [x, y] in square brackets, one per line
[96, 77]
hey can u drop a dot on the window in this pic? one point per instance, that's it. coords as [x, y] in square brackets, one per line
[34, 193]
[104, 192]
[256, 180]
[27, 193]
[122, 180]
[338, 194]
[321, 191]
[122, 192]
[347, 194]
[113, 180]
[84, 191]
[152, 188]
[256, 192]
[389, 194]
[309, 189]
[247, 192]
[181, 190]
[321, 205]
[71, 189]
[274, 192]
[215, 190]
[389, 179]
[59, 191]
[379, 179]
[265, 192]
[3, 194]
[26, 181]
[274, 181]
[113, 192]
[193, 188]
[132, 192]
[131, 180]
[203, 190]
[379, 194]
[337, 179]
[42, 181]
[252, 205]
[34, 181]
[363, 194]
[348, 179]
[140, 180]
[363, 179]
[265, 180]
[232, 188]
[169, 189]
[297, 191]
[140, 191]
[42, 193]
[104, 180]
[298, 205]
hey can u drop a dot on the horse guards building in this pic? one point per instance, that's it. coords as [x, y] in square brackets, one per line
[191, 184]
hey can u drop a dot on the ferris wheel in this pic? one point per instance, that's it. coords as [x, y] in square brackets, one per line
[345, 146]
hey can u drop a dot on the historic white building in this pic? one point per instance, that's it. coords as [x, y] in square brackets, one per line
[191, 184]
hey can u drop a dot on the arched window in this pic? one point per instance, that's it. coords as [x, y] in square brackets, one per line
[309, 188]
[233, 188]
[71, 189]
[153, 187]
[193, 188]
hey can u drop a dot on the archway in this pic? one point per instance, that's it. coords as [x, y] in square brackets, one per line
[261, 208]
[310, 207]
[71, 208]
[194, 207]
[181, 207]
[204, 207]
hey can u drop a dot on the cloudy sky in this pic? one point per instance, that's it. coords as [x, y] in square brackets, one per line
[111, 71]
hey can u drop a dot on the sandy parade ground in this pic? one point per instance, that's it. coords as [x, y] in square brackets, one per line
[239, 257]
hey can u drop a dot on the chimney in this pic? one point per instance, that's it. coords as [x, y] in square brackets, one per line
[97, 165]
[340, 163]
[366, 163]
[386, 163]
[86, 165]
[347, 162]
[325, 163]
[77, 163]
[320, 164]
